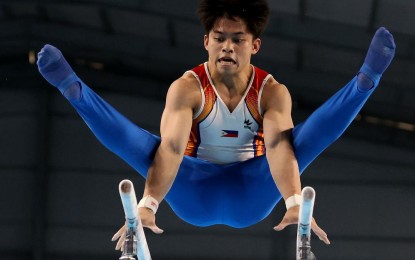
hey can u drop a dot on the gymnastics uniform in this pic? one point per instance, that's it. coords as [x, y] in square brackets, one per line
[221, 136]
[238, 194]
[204, 193]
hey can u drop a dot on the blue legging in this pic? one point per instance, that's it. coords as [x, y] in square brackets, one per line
[238, 194]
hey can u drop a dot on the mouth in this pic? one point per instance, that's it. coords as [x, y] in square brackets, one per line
[226, 61]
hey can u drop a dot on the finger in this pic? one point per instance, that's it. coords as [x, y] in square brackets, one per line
[115, 237]
[152, 226]
[322, 235]
[156, 229]
[120, 243]
[118, 234]
[284, 223]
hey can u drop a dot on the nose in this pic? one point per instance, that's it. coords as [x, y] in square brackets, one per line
[227, 46]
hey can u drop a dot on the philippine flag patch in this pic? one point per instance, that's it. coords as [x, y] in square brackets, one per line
[229, 133]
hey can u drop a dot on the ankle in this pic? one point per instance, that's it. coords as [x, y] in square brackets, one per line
[364, 83]
[73, 92]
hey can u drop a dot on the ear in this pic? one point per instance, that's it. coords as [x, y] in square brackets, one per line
[206, 41]
[256, 45]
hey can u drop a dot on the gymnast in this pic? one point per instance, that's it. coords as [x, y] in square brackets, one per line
[228, 150]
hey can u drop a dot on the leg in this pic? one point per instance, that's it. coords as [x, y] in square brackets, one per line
[244, 193]
[201, 191]
[329, 121]
[133, 144]
[241, 194]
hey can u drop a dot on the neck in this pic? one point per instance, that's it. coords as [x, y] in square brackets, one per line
[234, 82]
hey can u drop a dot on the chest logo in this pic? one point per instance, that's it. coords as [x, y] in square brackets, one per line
[247, 124]
[229, 133]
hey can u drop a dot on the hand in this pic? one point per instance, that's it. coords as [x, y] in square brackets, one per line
[291, 218]
[148, 219]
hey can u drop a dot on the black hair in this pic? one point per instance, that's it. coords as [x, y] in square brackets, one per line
[254, 13]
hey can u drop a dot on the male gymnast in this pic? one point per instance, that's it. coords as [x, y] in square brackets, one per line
[237, 151]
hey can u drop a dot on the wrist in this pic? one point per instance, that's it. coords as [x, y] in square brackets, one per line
[149, 202]
[293, 201]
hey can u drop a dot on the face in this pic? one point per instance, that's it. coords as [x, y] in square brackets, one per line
[230, 46]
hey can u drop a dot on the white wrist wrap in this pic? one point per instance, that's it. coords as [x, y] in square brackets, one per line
[294, 200]
[150, 203]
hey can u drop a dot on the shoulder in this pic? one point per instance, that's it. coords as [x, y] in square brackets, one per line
[274, 87]
[185, 91]
[275, 95]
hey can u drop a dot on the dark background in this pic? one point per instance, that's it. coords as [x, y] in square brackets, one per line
[59, 186]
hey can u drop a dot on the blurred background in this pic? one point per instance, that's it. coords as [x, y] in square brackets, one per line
[59, 186]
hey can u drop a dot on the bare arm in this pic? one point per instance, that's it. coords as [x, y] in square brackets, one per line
[183, 98]
[276, 103]
[175, 126]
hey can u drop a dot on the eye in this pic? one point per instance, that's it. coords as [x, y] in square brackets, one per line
[238, 40]
[219, 39]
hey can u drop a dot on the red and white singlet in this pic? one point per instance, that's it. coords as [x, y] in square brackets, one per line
[220, 136]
